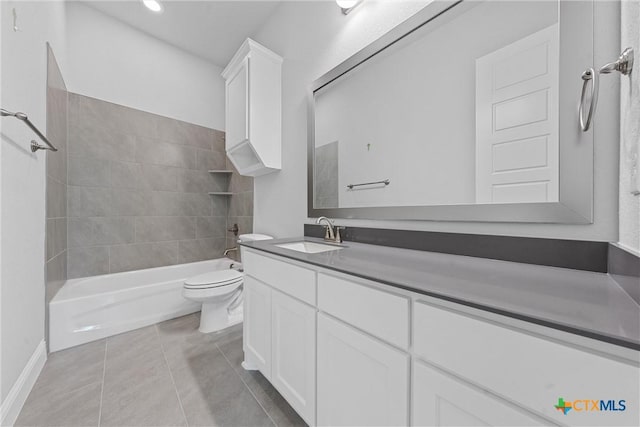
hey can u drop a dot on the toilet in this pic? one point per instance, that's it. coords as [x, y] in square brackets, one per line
[220, 293]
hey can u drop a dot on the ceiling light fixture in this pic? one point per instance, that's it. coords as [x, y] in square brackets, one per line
[347, 5]
[153, 5]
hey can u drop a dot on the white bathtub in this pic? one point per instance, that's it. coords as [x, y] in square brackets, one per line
[96, 307]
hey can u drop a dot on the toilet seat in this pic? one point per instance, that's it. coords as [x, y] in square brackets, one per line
[214, 279]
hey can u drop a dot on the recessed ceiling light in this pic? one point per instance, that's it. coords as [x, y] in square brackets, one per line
[153, 5]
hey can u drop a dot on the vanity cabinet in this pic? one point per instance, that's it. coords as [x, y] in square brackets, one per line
[382, 314]
[442, 400]
[361, 380]
[531, 371]
[253, 109]
[257, 327]
[343, 350]
[293, 329]
[280, 329]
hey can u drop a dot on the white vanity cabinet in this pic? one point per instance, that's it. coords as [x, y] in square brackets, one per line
[293, 341]
[442, 400]
[346, 351]
[280, 329]
[257, 325]
[361, 380]
[519, 369]
[363, 360]
[253, 109]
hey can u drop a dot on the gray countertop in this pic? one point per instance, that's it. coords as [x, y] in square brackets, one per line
[580, 302]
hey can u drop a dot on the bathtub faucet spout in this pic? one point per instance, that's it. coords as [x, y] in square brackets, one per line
[226, 251]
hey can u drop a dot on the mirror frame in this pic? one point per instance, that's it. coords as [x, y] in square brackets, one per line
[575, 205]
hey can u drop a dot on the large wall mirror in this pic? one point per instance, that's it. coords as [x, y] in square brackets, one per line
[468, 111]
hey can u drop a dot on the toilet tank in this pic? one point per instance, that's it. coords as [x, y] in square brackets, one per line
[253, 237]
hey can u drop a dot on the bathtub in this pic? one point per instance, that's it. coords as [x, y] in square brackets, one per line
[96, 307]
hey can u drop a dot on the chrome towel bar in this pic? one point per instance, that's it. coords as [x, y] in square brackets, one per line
[34, 145]
[384, 181]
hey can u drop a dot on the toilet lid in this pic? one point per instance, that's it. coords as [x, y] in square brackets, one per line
[214, 279]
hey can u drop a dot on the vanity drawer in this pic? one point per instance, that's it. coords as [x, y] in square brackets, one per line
[526, 369]
[382, 314]
[288, 278]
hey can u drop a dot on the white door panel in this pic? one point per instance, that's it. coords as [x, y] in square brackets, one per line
[517, 152]
[361, 381]
[441, 400]
[237, 111]
[257, 325]
[294, 353]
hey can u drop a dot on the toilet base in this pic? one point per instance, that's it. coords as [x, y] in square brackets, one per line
[215, 317]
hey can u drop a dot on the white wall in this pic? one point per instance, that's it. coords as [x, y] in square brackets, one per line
[313, 37]
[112, 61]
[630, 131]
[22, 173]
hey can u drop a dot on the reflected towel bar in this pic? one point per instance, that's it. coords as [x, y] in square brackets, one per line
[34, 145]
[384, 181]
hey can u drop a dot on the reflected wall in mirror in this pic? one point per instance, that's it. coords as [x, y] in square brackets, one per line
[473, 106]
[447, 116]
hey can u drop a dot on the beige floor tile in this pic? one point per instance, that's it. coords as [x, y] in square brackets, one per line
[273, 403]
[167, 374]
[86, 362]
[80, 407]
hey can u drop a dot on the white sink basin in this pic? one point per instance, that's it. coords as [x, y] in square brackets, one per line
[309, 247]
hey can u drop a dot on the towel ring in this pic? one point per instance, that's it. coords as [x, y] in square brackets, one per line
[624, 65]
[588, 74]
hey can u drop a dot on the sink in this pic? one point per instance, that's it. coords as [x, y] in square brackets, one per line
[309, 247]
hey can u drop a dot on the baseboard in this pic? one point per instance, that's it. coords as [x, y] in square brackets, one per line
[12, 405]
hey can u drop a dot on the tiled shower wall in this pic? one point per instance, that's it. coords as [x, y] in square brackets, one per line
[240, 207]
[56, 194]
[326, 179]
[138, 190]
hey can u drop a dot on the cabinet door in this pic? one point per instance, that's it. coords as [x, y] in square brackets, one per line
[361, 381]
[293, 363]
[441, 400]
[257, 326]
[237, 111]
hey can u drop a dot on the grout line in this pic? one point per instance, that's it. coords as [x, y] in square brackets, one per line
[175, 387]
[246, 385]
[143, 243]
[104, 372]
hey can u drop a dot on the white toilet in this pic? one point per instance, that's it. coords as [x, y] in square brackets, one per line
[220, 293]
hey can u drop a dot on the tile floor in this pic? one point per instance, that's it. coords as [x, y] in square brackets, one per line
[167, 374]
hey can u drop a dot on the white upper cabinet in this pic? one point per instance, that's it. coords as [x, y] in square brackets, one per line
[254, 109]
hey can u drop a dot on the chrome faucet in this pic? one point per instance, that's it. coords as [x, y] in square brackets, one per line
[226, 251]
[330, 235]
